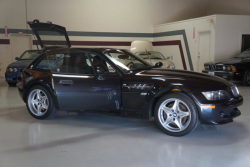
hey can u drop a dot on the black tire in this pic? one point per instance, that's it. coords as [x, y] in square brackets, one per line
[245, 81]
[51, 111]
[193, 111]
[12, 84]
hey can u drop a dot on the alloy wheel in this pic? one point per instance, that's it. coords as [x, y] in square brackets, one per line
[38, 102]
[174, 115]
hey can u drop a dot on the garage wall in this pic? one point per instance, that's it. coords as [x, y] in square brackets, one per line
[95, 23]
[187, 32]
[101, 15]
[229, 30]
[233, 7]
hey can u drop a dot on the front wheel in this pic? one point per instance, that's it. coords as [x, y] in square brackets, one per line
[176, 114]
[40, 103]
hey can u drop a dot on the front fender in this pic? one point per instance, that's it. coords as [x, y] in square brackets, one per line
[156, 95]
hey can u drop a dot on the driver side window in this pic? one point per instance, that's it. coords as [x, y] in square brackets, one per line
[72, 62]
[100, 64]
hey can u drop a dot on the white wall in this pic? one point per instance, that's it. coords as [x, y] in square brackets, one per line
[228, 7]
[200, 24]
[229, 30]
[101, 15]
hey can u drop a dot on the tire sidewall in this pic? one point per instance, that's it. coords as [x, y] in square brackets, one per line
[51, 104]
[245, 78]
[193, 110]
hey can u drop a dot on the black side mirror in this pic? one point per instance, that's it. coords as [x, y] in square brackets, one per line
[159, 64]
[17, 58]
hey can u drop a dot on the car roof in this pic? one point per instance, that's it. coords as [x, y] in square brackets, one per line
[32, 50]
[98, 50]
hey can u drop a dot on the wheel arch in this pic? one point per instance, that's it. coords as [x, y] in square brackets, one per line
[162, 93]
[31, 85]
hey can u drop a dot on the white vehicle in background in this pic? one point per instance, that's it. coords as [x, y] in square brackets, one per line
[154, 57]
[144, 49]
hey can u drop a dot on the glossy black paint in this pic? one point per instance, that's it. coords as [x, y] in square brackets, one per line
[242, 66]
[135, 92]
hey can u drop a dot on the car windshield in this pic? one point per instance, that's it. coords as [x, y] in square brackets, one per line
[29, 55]
[126, 60]
[150, 55]
[245, 54]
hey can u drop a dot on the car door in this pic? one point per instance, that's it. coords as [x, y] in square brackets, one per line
[77, 85]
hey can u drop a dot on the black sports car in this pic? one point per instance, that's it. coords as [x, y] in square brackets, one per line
[117, 81]
[237, 69]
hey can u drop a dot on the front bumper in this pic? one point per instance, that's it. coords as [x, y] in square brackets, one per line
[222, 113]
[13, 77]
[229, 75]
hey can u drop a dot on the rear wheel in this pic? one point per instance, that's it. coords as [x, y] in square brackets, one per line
[12, 84]
[40, 103]
[176, 114]
[246, 78]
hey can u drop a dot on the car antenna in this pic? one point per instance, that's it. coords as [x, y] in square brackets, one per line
[148, 57]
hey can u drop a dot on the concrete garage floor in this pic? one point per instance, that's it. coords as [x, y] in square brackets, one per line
[96, 140]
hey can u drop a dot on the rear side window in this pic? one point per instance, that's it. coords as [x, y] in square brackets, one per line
[72, 62]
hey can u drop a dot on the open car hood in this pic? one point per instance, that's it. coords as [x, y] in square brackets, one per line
[50, 35]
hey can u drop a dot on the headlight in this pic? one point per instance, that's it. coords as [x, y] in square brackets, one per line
[206, 67]
[229, 68]
[216, 95]
[235, 91]
[11, 69]
[15, 69]
[171, 66]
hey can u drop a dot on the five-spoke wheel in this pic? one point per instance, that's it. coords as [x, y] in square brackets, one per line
[176, 114]
[40, 103]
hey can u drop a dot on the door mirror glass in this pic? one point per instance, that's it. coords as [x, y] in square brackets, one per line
[17, 58]
[159, 64]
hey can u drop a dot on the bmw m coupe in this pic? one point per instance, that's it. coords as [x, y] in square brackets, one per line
[91, 79]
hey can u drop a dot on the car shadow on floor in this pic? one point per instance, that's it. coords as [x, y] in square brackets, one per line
[106, 126]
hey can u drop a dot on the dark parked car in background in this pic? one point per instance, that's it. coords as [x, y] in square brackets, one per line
[237, 68]
[14, 70]
[90, 79]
